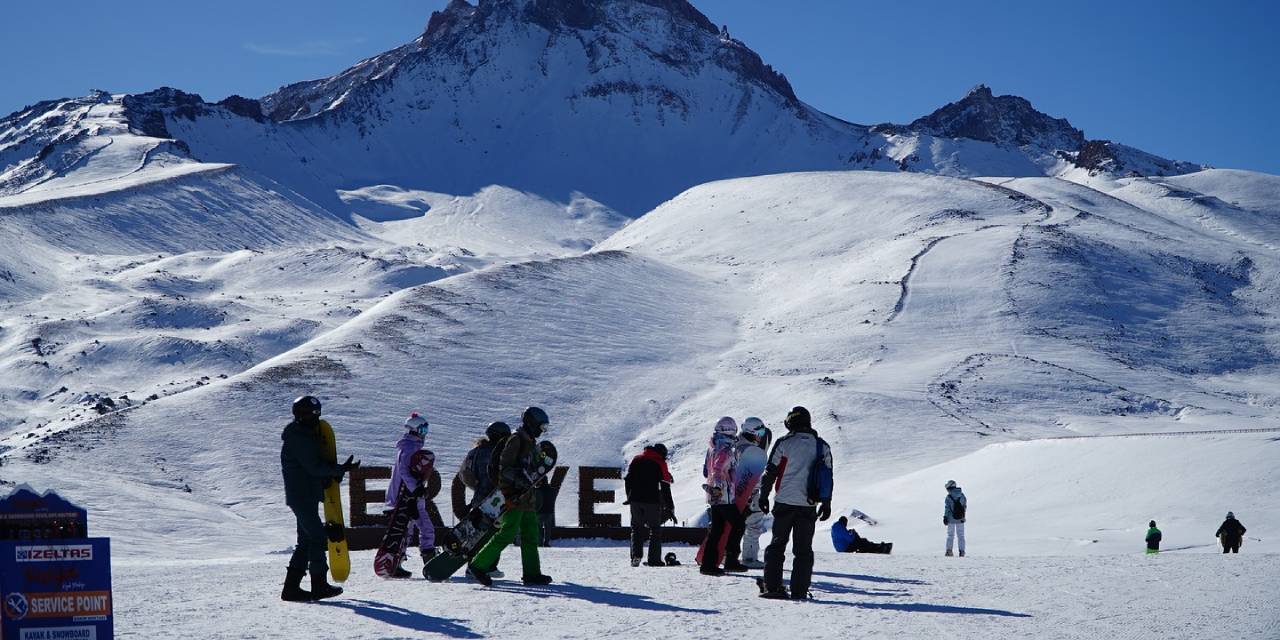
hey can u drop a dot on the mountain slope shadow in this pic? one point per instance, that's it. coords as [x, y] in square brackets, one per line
[404, 618]
[597, 595]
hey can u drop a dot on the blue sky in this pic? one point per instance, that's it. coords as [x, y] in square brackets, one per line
[1191, 80]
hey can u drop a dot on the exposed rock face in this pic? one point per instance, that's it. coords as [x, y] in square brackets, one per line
[1007, 120]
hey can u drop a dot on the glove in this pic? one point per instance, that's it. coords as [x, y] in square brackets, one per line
[944, 521]
[824, 510]
[764, 504]
[349, 466]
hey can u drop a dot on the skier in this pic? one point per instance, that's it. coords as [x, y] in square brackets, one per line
[414, 471]
[800, 468]
[517, 457]
[847, 540]
[718, 468]
[752, 445]
[546, 503]
[955, 508]
[1231, 534]
[1153, 538]
[648, 487]
[306, 474]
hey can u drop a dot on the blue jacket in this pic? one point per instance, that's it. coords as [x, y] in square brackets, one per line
[842, 537]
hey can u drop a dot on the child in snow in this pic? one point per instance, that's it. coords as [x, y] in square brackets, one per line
[1231, 534]
[752, 458]
[847, 540]
[954, 510]
[413, 472]
[718, 468]
[1153, 538]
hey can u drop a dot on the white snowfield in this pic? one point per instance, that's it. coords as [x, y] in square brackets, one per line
[938, 328]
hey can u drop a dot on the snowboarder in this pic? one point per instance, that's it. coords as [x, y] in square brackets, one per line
[546, 503]
[415, 476]
[516, 459]
[800, 469]
[955, 509]
[753, 443]
[718, 468]
[1231, 534]
[1153, 538]
[474, 471]
[648, 487]
[306, 473]
[847, 540]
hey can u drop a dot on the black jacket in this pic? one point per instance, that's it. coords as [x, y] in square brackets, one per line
[1231, 530]
[302, 463]
[645, 483]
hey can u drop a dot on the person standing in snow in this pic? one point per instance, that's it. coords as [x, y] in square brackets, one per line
[1231, 534]
[517, 457]
[718, 468]
[545, 497]
[414, 471]
[1153, 538]
[648, 487]
[475, 466]
[753, 442]
[955, 509]
[306, 474]
[847, 540]
[800, 469]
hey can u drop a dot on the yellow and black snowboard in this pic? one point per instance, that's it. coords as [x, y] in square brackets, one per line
[334, 524]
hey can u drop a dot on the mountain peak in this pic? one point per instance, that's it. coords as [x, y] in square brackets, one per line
[1005, 120]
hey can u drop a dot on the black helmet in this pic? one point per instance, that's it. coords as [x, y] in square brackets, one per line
[496, 431]
[533, 417]
[306, 407]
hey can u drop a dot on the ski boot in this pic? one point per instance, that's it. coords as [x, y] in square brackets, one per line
[321, 589]
[962, 553]
[948, 553]
[735, 567]
[427, 555]
[711, 571]
[775, 594]
[538, 579]
[479, 575]
[293, 591]
[753, 564]
[635, 562]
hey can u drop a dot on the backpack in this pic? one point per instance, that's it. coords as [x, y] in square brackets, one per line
[817, 473]
[957, 508]
[469, 472]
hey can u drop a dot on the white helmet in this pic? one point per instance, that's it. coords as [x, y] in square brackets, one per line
[727, 426]
[417, 424]
[951, 484]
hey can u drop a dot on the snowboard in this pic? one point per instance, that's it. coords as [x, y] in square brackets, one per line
[394, 542]
[334, 524]
[470, 534]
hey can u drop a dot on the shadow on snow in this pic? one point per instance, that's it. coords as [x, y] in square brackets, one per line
[854, 576]
[404, 618]
[598, 595]
[917, 607]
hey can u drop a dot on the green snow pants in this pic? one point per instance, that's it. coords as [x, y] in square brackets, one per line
[522, 521]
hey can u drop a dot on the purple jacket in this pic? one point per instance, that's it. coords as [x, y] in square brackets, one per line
[408, 445]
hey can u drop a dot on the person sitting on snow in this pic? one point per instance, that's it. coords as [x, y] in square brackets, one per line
[847, 540]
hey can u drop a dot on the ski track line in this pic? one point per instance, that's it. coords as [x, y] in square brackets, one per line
[1156, 434]
[905, 294]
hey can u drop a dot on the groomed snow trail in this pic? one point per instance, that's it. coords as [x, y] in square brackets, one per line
[597, 595]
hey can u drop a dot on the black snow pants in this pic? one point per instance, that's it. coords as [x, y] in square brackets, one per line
[310, 553]
[646, 526]
[791, 523]
[722, 516]
[1230, 546]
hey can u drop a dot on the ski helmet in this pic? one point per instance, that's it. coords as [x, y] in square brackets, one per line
[798, 419]
[306, 407]
[417, 424]
[496, 431]
[1231, 515]
[752, 424]
[951, 484]
[726, 426]
[535, 421]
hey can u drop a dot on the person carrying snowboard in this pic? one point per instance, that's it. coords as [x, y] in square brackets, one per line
[306, 474]
[954, 511]
[1231, 534]
[800, 470]
[517, 458]
[752, 457]
[846, 540]
[475, 466]
[648, 487]
[1153, 538]
[718, 468]
[414, 471]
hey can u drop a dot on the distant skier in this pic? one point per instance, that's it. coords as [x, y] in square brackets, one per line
[415, 473]
[1231, 534]
[306, 473]
[516, 459]
[752, 459]
[648, 487]
[800, 468]
[955, 509]
[545, 499]
[847, 540]
[718, 468]
[1153, 538]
